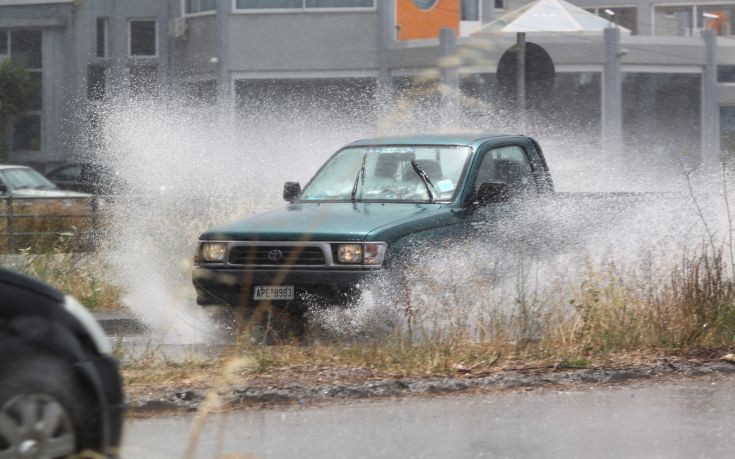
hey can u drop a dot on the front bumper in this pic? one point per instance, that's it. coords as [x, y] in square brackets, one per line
[235, 286]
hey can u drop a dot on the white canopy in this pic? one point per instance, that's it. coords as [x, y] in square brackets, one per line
[549, 16]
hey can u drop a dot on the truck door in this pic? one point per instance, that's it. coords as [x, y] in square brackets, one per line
[508, 165]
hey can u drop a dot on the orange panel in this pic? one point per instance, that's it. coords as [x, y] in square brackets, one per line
[414, 23]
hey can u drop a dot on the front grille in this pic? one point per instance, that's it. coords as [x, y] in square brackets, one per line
[277, 255]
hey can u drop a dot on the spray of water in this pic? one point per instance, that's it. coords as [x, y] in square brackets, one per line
[188, 166]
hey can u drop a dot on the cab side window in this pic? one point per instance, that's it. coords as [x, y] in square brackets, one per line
[508, 165]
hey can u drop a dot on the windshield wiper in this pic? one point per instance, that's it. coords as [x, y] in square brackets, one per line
[360, 173]
[424, 178]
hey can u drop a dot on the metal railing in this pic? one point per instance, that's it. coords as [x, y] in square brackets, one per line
[43, 223]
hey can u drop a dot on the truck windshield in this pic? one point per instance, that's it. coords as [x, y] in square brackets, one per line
[387, 174]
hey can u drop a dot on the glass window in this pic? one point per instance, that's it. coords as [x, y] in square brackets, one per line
[726, 73]
[727, 130]
[143, 80]
[389, 174]
[500, 4]
[27, 133]
[339, 3]
[425, 4]
[470, 10]
[507, 165]
[662, 105]
[302, 4]
[624, 17]
[3, 44]
[673, 20]
[101, 41]
[96, 84]
[25, 48]
[720, 18]
[269, 4]
[143, 38]
[36, 97]
[199, 6]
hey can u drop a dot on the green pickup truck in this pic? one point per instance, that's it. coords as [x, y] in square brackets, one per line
[361, 213]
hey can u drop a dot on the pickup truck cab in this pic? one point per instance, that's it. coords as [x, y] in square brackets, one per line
[360, 214]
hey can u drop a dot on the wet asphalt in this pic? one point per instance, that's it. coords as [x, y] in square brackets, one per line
[685, 419]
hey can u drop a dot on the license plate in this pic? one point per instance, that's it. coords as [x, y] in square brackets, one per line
[273, 292]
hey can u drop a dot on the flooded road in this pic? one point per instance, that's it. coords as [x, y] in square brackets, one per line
[692, 418]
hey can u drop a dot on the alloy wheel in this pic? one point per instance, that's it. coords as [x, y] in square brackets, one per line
[35, 426]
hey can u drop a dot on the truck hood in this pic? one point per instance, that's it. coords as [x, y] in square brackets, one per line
[320, 222]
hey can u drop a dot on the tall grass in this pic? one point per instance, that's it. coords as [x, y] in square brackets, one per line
[607, 310]
[80, 274]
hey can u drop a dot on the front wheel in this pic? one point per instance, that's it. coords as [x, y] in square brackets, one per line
[44, 411]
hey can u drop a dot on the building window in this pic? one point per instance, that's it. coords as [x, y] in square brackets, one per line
[691, 19]
[143, 80]
[673, 20]
[101, 38]
[96, 82]
[719, 18]
[727, 131]
[623, 16]
[470, 10]
[199, 6]
[424, 4]
[500, 4]
[4, 42]
[726, 73]
[24, 48]
[303, 4]
[143, 39]
[27, 133]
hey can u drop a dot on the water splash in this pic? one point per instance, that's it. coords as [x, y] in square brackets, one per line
[189, 166]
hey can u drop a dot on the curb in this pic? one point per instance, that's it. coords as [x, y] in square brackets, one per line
[257, 395]
[116, 323]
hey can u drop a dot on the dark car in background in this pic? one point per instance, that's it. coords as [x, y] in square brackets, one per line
[87, 177]
[60, 389]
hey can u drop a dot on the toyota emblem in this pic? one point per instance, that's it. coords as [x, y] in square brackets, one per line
[275, 255]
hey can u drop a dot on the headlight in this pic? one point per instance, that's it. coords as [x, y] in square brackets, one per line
[370, 253]
[374, 253]
[213, 252]
[349, 253]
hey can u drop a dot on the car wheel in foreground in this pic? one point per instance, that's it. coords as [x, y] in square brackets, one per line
[43, 412]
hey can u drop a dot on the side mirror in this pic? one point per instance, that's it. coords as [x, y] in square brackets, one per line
[492, 193]
[291, 191]
[3, 188]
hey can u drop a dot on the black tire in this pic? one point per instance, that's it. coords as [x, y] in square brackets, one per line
[42, 380]
[263, 323]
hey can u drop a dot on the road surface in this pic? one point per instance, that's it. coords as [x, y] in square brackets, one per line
[686, 419]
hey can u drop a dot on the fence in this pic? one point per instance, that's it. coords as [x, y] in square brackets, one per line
[40, 224]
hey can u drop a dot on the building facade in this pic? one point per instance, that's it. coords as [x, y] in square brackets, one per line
[242, 52]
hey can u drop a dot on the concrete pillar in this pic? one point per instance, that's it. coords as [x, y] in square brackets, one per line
[710, 108]
[612, 95]
[225, 89]
[449, 84]
[487, 11]
[117, 46]
[521, 81]
[386, 36]
[645, 18]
